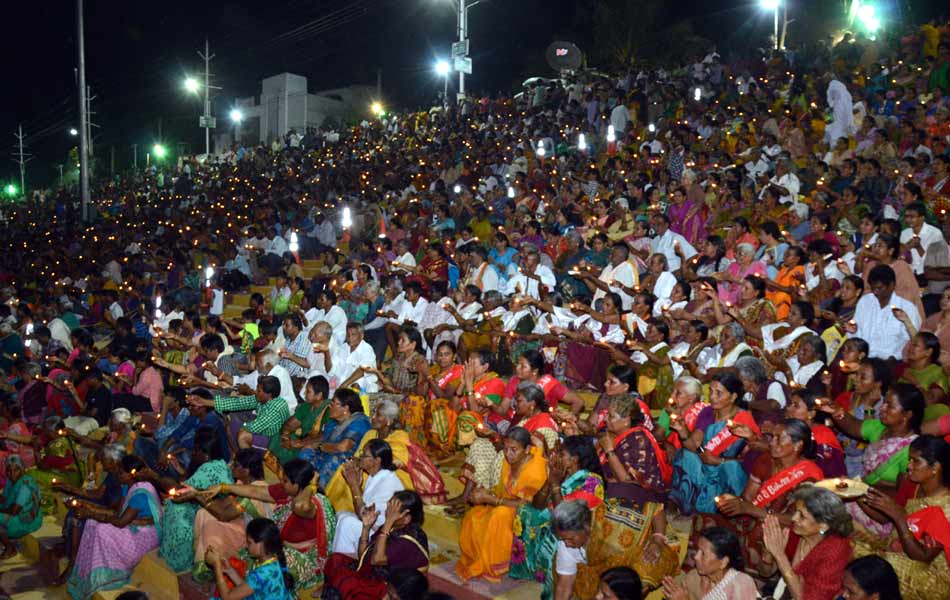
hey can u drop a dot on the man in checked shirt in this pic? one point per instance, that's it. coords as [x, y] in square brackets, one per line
[270, 412]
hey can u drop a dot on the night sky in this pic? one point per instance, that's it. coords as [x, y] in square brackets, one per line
[138, 53]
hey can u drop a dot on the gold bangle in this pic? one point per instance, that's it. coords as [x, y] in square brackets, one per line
[226, 487]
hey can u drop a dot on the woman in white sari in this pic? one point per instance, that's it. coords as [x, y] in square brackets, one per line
[718, 574]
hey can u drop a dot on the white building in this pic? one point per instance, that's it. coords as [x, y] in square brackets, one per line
[285, 104]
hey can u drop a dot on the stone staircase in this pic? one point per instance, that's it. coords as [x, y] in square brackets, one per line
[235, 304]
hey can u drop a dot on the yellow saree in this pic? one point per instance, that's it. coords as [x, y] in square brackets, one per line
[488, 531]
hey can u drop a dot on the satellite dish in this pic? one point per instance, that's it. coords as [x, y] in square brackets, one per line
[563, 56]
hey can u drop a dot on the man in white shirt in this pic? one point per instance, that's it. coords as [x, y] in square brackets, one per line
[532, 275]
[325, 353]
[410, 314]
[571, 523]
[620, 118]
[480, 273]
[785, 183]
[404, 256]
[326, 309]
[324, 232]
[878, 315]
[666, 241]
[356, 354]
[756, 165]
[618, 271]
[273, 257]
[918, 236]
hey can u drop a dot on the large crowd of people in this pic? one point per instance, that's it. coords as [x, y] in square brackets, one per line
[677, 330]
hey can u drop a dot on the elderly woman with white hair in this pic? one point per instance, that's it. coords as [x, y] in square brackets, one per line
[20, 511]
[685, 404]
[414, 468]
[731, 280]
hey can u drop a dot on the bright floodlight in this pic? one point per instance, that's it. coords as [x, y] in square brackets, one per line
[294, 244]
[511, 192]
[582, 143]
[192, 85]
[541, 151]
[347, 220]
[651, 128]
[10, 189]
[457, 189]
[698, 94]
[769, 4]
[73, 131]
[611, 134]
[236, 115]
[442, 68]
[377, 108]
[868, 16]
[159, 151]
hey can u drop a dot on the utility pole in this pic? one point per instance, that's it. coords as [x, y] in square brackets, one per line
[21, 158]
[135, 156]
[463, 35]
[89, 123]
[112, 160]
[60, 167]
[83, 118]
[207, 56]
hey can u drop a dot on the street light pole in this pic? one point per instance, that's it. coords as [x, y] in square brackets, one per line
[463, 35]
[207, 56]
[83, 156]
[775, 31]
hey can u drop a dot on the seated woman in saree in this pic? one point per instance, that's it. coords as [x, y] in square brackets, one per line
[413, 468]
[632, 525]
[373, 493]
[20, 510]
[707, 465]
[404, 382]
[487, 532]
[528, 369]
[16, 439]
[574, 473]
[207, 468]
[829, 454]
[652, 361]
[811, 558]
[921, 367]
[400, 543]
[887, 455]
[221, 521]
[919, 547]
[621, 382]
[340, 436]
[305, 424]
[108, 494]
[531, 413]
[268, 579]
[114, 541]
[443, 380]
[305, 517]
[685, 404]
[56, 460]
[786, 466]
[718, 573]
[485, 413]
